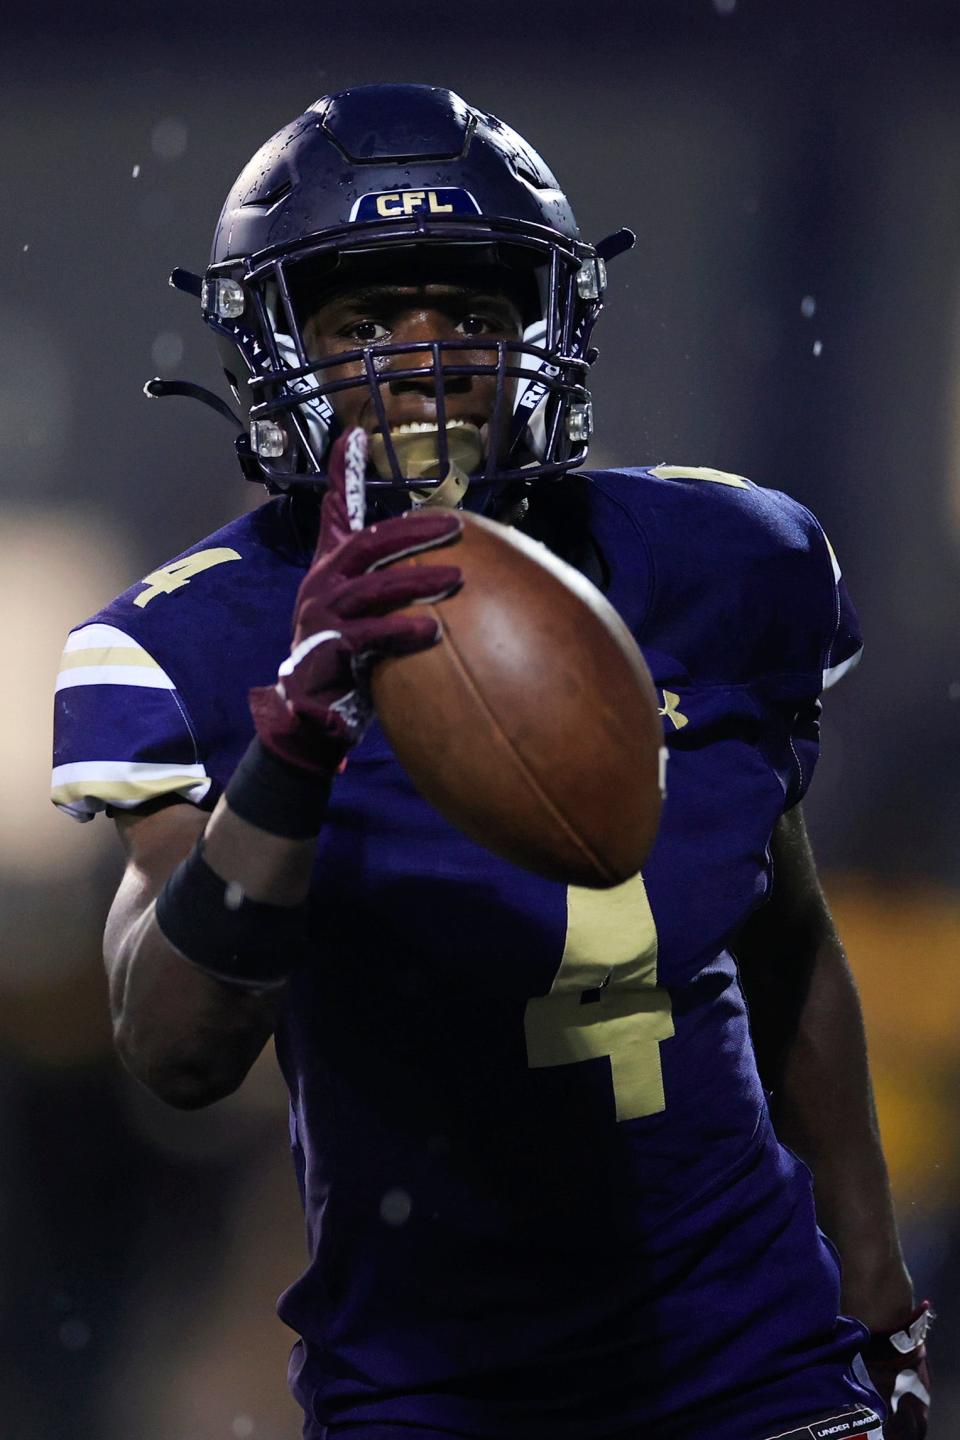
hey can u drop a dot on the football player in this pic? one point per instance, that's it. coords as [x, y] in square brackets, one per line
[507, 1240]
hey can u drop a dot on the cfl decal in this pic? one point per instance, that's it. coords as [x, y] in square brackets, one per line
[397, 204]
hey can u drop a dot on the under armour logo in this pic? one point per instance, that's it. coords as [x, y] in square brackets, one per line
[670, 703]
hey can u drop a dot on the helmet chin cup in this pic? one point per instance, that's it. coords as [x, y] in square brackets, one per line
[419, 454]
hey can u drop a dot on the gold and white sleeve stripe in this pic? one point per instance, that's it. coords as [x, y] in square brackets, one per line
[87, 786]
[103, 655]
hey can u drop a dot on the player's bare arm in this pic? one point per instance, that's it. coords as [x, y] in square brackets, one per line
[187, 1036]
[812, 1052]
[810, 1038]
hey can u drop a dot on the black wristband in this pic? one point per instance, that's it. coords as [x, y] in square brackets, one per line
[214, 926]
[275, 796]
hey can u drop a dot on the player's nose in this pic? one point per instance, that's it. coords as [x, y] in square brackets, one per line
[423, 327]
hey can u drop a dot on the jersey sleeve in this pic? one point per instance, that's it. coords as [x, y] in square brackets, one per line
[122, 732]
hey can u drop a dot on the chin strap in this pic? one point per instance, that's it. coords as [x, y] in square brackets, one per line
[449, 493]
[613, 245]
[157, 389]
[186, 281]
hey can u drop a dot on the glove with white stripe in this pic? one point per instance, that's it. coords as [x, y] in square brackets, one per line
[897, 1365]
[345, 618]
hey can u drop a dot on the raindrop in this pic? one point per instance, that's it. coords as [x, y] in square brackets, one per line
[168, 140]
[26, 248]
[818, 347]
[808, 307]
[242, 1426]
[135, 173]
[395, 1207]
[167, 349]
[953, 690]
[724, 7]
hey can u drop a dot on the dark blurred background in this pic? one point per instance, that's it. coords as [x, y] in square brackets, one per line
[791, 312]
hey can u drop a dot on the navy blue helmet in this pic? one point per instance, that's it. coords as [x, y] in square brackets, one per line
[398, 180]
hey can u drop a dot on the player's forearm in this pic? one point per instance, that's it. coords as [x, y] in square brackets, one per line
[188, 1037]
[191, 1037]
[812, 1055]
[824, 1110]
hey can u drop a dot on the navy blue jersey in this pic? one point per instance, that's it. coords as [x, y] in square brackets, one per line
[542, 1194]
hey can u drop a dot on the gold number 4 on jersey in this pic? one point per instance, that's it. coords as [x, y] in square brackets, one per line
[610, 953]
[172, 577]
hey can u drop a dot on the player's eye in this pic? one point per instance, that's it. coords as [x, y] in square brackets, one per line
[365, 332]
[477, 325]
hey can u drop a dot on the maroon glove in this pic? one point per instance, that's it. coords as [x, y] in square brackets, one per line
[897, 1365]
[344, 618]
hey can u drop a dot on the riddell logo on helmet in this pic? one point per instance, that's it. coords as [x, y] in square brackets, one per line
[395, 204]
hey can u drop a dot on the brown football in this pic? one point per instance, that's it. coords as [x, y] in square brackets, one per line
[533, 726]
